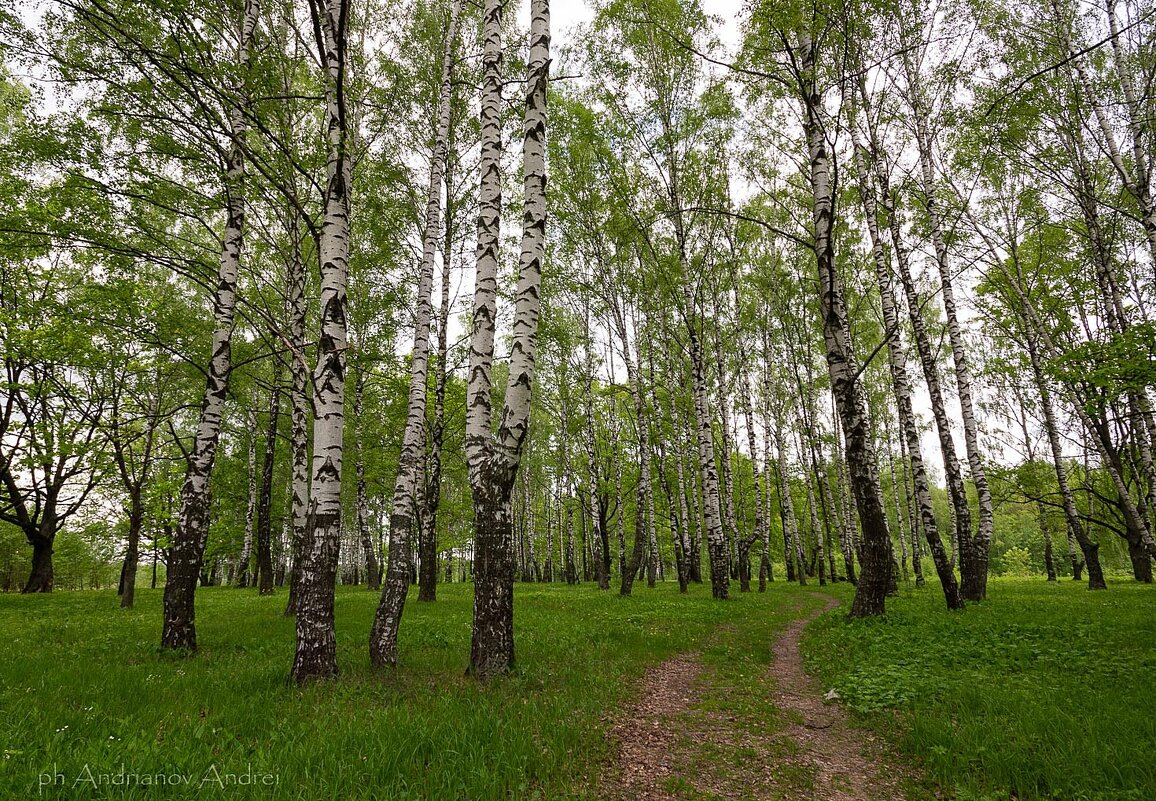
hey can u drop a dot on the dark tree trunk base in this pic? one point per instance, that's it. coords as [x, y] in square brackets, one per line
[973, 576]
[1091, 552]
[42, 578]
[1141, 561]
[128, 594]
[315, 658]
[492, 643]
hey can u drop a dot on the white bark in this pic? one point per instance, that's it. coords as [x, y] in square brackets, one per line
[299, 398]
[251, 506]
[974, 578]
[316, 654]
[192, 529]
[409, 484]
[493, 460]
[897, 357]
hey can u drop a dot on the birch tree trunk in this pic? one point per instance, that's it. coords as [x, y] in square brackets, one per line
[264, 577]
[493, 460]
[680, 514]
[760, 533]
[715, 536]
[844, 506]
[875, 552]
[912, 518]
[693, 497]
[641, 537]
[369, 552]
[792, 551]
[767, 480]
[812, 508]
[898, 506]
[897, 361]
[616, 444]
[1037, 337]
[299, 399]
[316, 652]
[427, 534]
[957, 491]
[570, 561]
[408, 488]
[246, 558]
[565, 512]
[974, 553]
[677, 519]
[727, 487]
[1090, 550]
[548, 566]
[597, 537]
[191, 534]
[654, 565]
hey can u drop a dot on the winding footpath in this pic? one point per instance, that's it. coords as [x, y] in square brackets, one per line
[672, 748]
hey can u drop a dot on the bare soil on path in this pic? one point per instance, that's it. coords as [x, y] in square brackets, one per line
[677, 742]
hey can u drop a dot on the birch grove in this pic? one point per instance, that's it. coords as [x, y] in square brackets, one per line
[848, 290]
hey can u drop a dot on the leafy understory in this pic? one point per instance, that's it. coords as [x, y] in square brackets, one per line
[1045, 692]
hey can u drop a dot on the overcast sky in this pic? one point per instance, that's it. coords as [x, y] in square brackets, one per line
[564, 14]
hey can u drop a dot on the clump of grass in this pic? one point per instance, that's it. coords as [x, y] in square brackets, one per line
[1045, 691]
[83, 686]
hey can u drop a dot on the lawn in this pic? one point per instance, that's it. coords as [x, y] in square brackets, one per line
[1045, 691]
[88, 699]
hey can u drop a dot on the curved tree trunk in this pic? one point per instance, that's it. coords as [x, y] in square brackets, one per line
[408, 487]
[189, 539]
[898, 365]
[1090, 550]
[974, 553]
[875, 551]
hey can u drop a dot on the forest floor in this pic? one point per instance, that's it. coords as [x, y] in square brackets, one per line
[1042, 693]
[675, 743]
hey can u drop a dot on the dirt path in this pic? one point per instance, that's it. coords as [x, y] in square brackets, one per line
[849, 763]
[676, 743]
[648, 739]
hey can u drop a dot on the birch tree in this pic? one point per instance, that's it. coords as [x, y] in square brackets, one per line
[191, 534]
[408, 493]
[316, 648]
[493, 458]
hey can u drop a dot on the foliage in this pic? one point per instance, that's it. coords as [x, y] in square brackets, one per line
[1043, 692]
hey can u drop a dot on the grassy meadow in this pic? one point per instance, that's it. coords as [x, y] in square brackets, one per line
[1045, 691]
[83, 682]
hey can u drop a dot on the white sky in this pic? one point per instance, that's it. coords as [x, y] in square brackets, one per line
[564, 14]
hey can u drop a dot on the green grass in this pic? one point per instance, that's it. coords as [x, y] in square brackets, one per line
[83, 683]
[731, 738]
[1042, 692]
